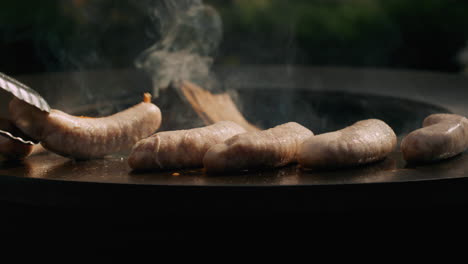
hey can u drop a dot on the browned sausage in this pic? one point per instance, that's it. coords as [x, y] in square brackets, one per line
[180, 148]
[270, 148]
[13, 150]
[363, 142]
[442, 136]
[85, 138]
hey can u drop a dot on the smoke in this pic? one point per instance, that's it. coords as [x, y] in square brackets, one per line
[190, 35]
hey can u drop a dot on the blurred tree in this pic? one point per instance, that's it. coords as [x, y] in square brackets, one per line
[53, 35]
[433, 32]
[418, 34]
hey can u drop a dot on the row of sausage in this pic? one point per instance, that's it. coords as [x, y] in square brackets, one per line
[226, 146]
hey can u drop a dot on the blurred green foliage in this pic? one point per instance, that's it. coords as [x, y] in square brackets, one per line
[53, 35]
[418, 34]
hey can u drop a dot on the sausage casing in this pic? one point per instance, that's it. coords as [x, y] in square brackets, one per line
[180, 148]
[13, 150]
[442, 136]
[363, 142]
[274, 147]
[85, 138]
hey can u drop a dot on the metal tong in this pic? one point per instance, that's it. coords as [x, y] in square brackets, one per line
[26, 94]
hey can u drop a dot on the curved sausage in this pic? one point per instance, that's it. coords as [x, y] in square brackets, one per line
[271, 148]
[86, 138]
[180, 148]
[442, 136]
[363, 142]
[13, 150]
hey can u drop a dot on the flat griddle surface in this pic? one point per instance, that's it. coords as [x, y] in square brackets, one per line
[52, 180]
[115, 170]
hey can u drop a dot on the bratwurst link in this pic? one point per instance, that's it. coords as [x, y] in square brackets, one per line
[13, 150]
[363, 142]
[270, 148]
[442, 136]
[84, 137]
[180, 148]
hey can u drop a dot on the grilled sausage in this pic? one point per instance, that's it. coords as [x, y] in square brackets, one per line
[270, 148]
[13, 150]
[180, 148]
[442, 136]
[86, 138]
[363, 142]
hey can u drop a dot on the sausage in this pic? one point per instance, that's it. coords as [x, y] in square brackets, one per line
[442, 136]
[180, 148]
[271, 148]
[84, 137]
[13, 150]
[363, 142]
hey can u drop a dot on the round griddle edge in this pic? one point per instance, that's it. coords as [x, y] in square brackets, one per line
[443, 185]
[166, 199]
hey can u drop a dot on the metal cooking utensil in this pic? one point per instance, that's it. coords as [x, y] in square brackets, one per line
[26, 94]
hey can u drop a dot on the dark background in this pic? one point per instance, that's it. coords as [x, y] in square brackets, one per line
[69, 35]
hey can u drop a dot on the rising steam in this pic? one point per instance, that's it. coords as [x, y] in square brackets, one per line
[190, 35]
